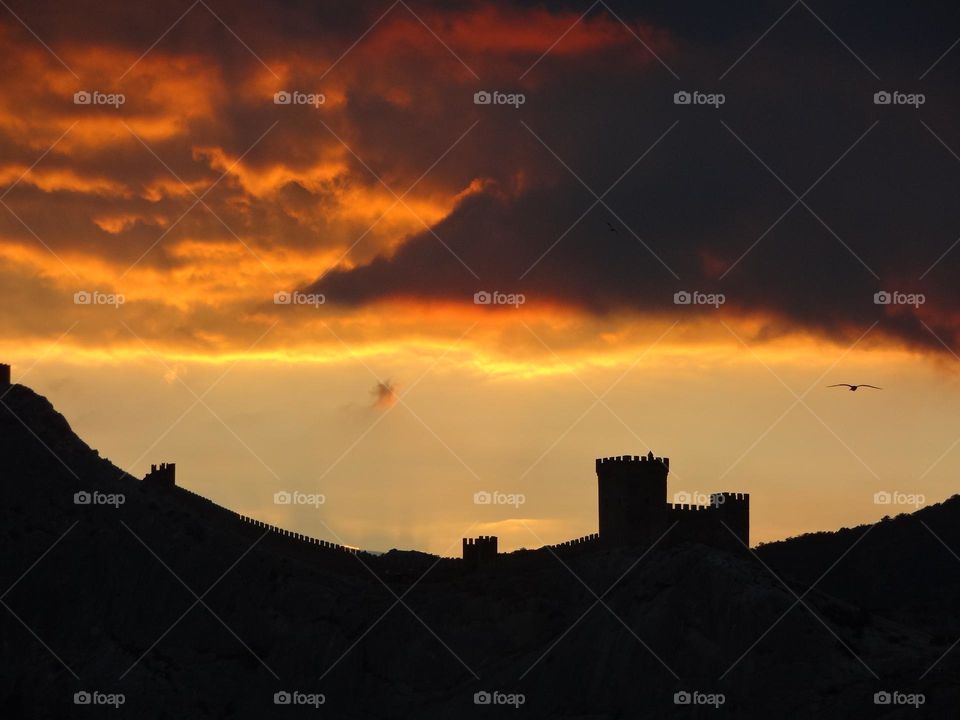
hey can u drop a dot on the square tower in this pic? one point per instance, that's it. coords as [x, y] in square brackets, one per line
[164, 476]
[479, 553]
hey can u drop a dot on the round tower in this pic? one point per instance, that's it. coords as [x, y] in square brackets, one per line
[632, 492]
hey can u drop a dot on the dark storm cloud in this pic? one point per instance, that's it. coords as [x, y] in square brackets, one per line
[199, 94]
[697, 212]
[879, 213]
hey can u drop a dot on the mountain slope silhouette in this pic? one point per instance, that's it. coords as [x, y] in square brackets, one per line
[272, 619]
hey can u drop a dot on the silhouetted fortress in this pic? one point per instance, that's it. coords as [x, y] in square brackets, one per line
[164, 476]
[632, 507]
[633, 510]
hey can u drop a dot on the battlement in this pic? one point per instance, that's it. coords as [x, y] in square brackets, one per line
[163, 476]
[4, 375]
[483, 541]
[728, 497]
[306, 540]
[586, 541]
[689, 507]
[629, 460]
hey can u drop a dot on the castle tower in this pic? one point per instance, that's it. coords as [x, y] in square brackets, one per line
[4, 375]
[632, 494]
[733, 510]
[164, 476]
[479, 553]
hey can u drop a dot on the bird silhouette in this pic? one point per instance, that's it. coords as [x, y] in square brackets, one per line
[612, 228]
[853, 388]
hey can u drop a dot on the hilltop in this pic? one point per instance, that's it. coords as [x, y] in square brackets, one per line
[903, 567]
[272, 618]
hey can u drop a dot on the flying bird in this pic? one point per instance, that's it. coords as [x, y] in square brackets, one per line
[853, 388]
[612, 228]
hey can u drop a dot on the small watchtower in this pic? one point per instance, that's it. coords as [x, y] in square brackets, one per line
[632, 498]
[733, 510]
[162, 476]
[4, 375]
[479, 553]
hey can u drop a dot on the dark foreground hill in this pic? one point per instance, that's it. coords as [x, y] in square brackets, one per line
[173, 603]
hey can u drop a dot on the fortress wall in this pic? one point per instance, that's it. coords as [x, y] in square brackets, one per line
[694, 523]
[295, 540]
[580, 543]
[632, 509]
[718, 524]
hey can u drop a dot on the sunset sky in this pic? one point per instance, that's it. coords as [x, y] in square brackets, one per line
[186, 191]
